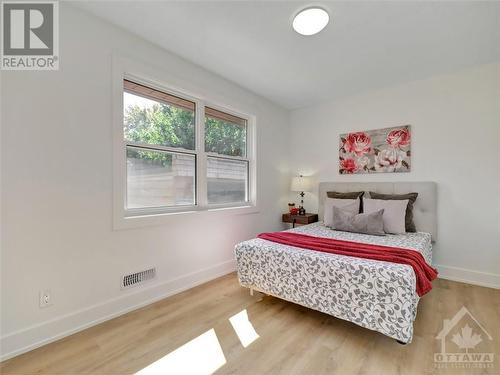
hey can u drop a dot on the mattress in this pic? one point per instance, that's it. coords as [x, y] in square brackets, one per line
[374, 294]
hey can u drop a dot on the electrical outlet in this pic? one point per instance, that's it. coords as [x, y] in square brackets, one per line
[45, 298]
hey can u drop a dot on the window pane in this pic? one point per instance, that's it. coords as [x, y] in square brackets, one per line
[224, 133]
[156, 118]
[227, 180]
[159, 179]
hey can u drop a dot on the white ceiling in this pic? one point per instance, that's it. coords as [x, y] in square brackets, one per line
[366, 44]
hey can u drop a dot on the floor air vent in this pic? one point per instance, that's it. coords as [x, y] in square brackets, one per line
[138, 278]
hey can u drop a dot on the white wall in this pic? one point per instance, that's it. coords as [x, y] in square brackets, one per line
[56, 153]
[456, 131]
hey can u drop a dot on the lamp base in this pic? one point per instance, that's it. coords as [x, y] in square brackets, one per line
[302, 210]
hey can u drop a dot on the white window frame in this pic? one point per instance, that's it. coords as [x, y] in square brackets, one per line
[157, 79]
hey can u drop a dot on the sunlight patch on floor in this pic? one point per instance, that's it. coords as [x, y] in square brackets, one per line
[243, 328]
[201, 356]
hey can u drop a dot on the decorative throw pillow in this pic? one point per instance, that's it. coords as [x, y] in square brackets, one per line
[350, 205]
[372, 223]
[412, 197]
[394, 213]
[348, 195]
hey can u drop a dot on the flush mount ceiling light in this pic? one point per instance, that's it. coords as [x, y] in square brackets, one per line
[310, 21]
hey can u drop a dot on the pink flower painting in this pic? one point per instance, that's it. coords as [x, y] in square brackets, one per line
[376, 151]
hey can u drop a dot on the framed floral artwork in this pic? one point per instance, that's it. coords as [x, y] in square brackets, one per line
[376, 151]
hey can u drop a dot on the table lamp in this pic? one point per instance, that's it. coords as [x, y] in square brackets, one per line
[301, 184]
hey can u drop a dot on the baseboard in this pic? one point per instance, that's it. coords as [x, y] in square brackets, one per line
[44, 333]
[463, 275]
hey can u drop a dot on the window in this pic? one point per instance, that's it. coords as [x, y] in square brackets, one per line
[159, 131]
[227, 165]
[181, 154]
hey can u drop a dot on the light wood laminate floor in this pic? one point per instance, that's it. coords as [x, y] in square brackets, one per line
[292, 339]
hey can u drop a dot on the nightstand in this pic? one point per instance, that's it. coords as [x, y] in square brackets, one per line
[308, 218]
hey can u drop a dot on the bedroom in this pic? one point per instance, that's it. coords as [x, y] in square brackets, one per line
[130, 250]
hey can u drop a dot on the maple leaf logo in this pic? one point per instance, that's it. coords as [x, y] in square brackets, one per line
[466, 340]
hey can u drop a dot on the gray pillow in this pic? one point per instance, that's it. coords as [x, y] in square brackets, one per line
[349, 205]
[349, 195]
[371, 223]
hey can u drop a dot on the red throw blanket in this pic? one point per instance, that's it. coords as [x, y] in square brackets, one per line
[424, 273]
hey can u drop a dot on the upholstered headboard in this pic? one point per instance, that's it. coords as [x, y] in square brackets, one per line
[425, 208]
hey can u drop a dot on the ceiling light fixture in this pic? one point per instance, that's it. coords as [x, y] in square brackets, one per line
[310, 21]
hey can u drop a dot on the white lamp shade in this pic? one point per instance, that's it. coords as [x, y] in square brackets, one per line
[301, 184]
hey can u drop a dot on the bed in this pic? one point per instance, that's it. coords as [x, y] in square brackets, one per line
[373, 294]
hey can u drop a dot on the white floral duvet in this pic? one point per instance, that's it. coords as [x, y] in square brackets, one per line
[374, 294]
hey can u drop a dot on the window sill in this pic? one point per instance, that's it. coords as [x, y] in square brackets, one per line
[161, 218]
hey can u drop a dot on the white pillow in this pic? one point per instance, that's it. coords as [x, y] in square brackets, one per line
[394, 213]
[349, 205]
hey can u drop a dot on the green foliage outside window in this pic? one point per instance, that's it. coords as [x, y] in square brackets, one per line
[160, 124]
[168, 125]
[224, 138]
